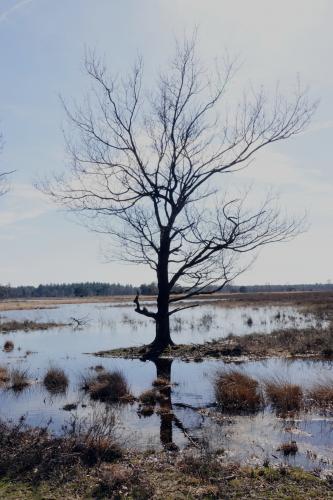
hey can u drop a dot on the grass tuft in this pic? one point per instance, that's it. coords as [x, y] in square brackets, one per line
[8, 346]
[161, 382]
[4, 375]
[236, 391]
[322, 393]
[289, 448]
[284, 396]
[55, 380]
[18, 379]
[148, 397]
[108, 386]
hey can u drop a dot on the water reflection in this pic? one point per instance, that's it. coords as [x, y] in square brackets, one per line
[111, 326]
[184, 415]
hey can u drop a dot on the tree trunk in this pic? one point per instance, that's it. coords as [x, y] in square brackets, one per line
[162, 337]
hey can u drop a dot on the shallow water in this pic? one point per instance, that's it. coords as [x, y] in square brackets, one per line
[249, 439]
[110, 326]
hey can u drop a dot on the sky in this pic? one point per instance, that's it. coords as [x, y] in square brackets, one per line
[42, 46]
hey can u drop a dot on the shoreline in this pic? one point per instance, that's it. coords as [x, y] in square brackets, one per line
[306, 344]
[221, 299]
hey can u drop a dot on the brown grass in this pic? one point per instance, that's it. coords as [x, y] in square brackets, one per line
[236, 391]
[18, 379]
[284, 396]
[4, 375]
[26, 325]
[108, 386]
[148, 397]
[146, 410]
[321, 394]
[55, 380]
[8, 346]
[289, 448]
[161, 382]
[35, 454]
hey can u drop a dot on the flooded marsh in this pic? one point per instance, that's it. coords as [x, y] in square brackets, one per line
[173, 403]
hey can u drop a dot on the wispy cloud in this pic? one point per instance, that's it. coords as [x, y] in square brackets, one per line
[18, 5]
[22, 203]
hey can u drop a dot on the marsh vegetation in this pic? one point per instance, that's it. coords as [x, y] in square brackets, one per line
[254, 397]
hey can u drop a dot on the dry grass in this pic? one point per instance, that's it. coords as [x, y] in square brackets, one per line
[8, 346]
[321, 394]
[289, 448]
[4, 375]
[108, 386]
[161, 382]
[35, 454]
[148, 397]
[26, 325]
[19, 379]
[55, 380]
[146, 410]
[236, 391]
[284, 396]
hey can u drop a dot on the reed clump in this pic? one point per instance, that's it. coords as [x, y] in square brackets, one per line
[321, 393]
[108, 386]
[289, 448]
[8, 346]
[4, 375]
[55, 380]
[161, 382]
[19, 379]
[283, 395]
[148, 397]
[236, 391]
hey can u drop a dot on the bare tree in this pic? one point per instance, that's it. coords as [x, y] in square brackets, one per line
[147, 168]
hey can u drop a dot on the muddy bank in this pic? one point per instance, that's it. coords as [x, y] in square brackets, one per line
[284, 343]
[35, 464]
[223, 299]
[26, 326]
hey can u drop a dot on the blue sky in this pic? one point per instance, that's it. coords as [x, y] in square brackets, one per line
[42, 45]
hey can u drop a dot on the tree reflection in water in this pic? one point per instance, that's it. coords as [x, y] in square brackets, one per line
[166, 410]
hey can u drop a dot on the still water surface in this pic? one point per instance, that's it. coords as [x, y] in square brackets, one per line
[246, 438]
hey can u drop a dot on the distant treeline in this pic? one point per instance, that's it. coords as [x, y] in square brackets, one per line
[104, 289]
[74, 290]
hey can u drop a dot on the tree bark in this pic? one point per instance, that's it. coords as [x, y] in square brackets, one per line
[163, 337]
